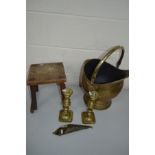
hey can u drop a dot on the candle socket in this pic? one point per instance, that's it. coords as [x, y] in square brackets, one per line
[66, 115]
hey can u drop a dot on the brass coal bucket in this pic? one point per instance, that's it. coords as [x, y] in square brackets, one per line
[106, 79]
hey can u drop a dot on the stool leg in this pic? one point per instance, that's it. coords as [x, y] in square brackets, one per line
[62, 86]
[37, 88]
[81, 74]
[33, 99]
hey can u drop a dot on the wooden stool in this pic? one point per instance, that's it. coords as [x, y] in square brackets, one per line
[45, 73]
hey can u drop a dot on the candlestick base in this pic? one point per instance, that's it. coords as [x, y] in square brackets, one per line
[66, 116]
[88, 118]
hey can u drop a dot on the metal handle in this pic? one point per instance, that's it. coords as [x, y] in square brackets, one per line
[108, 53]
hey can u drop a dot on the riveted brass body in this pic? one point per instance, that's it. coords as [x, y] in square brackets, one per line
[88, 116]
[106, 91]
[65, 114]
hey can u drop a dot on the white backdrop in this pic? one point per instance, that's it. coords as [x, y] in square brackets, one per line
[74, 30]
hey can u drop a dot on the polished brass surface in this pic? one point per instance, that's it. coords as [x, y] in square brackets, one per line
[88, 117]
[99, 104]
[108, 53]
[69, 128]
[105, 91]
[65, 114]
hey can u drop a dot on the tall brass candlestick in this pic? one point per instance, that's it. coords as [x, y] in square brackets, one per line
[88, 116]
[65, 114]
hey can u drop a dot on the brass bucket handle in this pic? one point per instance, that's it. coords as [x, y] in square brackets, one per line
[108, 53]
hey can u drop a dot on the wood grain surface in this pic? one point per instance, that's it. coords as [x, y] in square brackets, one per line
[46, 73]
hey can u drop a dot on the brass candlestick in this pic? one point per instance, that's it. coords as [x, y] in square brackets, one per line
[65, 114]
[88, 116]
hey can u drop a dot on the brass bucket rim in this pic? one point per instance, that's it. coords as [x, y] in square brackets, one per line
[99, 84]
[106, 55]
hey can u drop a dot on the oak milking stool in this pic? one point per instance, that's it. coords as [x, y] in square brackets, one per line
[45, 73]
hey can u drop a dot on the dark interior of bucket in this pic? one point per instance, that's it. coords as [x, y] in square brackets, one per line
[107, 72]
